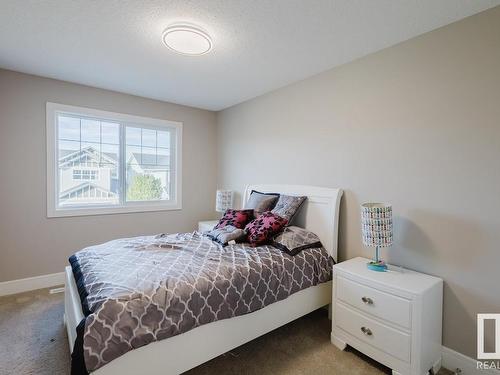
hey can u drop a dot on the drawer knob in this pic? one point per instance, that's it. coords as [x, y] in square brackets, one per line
[367, 300]
[366, 331]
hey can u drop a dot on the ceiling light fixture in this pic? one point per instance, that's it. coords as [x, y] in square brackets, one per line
[187, 40]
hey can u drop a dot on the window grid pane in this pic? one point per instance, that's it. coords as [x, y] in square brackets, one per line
[147, 170]
[87, 167]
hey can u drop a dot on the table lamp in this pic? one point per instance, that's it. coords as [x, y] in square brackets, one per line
[223, 200]
[376, 225]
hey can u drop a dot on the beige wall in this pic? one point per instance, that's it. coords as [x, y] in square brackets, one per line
[416, 125]
[31, 244]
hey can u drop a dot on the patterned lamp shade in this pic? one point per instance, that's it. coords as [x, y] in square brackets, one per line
[223, 200]
[376, 223]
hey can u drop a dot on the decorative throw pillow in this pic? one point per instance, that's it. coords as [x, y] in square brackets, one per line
[261, 202]
[236, 218]
[226, 234]
[287, 206]
[262, 229]
[294, 239]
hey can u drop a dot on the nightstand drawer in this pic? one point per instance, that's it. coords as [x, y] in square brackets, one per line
[386, 339]
[394, 309]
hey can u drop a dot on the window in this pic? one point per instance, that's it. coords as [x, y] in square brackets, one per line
[80, 174]
[102, 162]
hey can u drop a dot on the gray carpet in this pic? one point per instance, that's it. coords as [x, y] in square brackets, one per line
[33, 341]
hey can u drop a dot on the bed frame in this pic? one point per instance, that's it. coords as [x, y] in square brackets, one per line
[182, 352]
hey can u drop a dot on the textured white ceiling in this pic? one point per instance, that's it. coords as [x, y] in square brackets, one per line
[259, 45]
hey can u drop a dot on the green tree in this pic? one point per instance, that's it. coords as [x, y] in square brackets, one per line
[144, 187]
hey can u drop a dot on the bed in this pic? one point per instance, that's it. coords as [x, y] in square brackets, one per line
[186, 350]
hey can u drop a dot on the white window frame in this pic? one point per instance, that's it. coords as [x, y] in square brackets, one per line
[53, 109]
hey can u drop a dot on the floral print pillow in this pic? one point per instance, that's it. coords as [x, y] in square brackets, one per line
[236, 218]
[262, 229]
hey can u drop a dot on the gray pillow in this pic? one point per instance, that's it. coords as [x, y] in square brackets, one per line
[261, 202]
[287, 206]
[225, 234]
[294, 239]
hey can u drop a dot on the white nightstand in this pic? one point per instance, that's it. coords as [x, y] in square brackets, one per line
[204, 226]
[394, 317]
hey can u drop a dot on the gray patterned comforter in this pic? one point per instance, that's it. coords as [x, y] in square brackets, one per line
[143, 289]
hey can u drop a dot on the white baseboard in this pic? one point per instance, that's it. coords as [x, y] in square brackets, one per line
[452, 360]
[31, 283]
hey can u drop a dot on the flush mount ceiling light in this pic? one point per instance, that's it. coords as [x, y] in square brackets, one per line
[187, 40]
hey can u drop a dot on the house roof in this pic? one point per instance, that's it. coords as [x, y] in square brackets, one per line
[144, 161]
[99, 157]
[149, 161]
[83, 186]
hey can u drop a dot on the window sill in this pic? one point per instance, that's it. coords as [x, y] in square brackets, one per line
[136, 208]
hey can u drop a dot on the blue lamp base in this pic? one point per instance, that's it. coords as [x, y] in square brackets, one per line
[377, 264]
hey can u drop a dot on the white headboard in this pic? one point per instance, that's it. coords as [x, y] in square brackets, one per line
[319, 213]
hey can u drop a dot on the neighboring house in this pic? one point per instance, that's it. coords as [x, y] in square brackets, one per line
[88, 176]
[154, 165]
